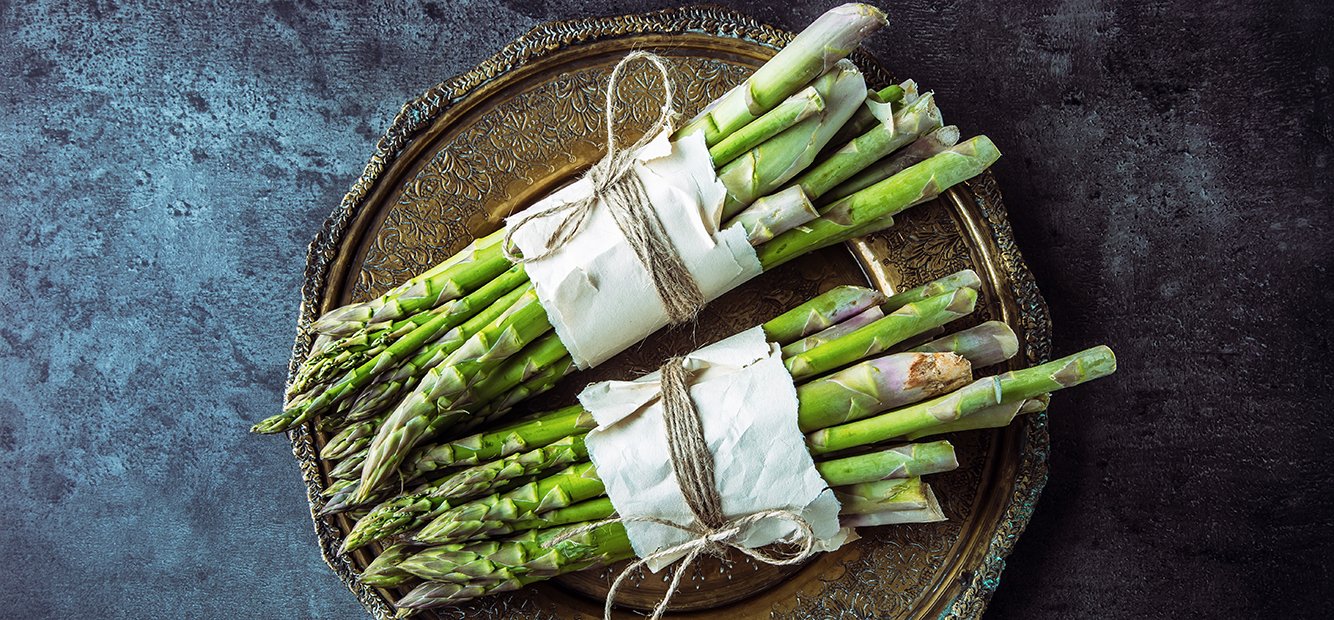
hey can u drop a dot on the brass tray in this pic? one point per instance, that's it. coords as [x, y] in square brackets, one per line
[474, 148]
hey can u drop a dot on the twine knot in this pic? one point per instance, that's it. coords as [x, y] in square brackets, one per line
[693, 465]
[614, 184]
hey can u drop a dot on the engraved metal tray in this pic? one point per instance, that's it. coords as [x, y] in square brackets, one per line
[491, 141]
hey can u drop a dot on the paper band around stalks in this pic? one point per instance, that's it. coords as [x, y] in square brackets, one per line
[677, 451]
[637, 235]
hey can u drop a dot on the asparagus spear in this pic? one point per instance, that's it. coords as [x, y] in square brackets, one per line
[823, 311]
[904, 127]
[463, 273]
[791, 111]
[877, 385]
[882, 495]
[989, 343]
[917, 152]
[349, 468]
[899, 325]
[409, 512]
[871, 113]
[438, 327]
[502, 513]
[953, 282]
[457, 572]
[1007, 388]
[383, 571]
[502, 442]
[354, 438]
[775, 214]
[899, 503]
[841, 220]
[829, 38]
[906, 461]
[539, 382]
[995, 416]
[834, 332]
[768, 166]
[573, 484]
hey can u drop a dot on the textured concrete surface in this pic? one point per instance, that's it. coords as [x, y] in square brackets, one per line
[1168, 174]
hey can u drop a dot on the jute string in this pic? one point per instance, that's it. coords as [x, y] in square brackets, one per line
[615, 185]
[693, 465]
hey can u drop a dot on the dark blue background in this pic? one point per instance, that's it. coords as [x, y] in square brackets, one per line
[163, 167]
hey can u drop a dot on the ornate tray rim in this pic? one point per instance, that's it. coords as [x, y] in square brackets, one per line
[418, 114]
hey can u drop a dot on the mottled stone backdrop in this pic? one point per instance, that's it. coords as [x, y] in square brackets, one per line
[1167, 170]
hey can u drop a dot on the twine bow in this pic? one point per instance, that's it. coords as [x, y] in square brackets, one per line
[693, 465]
[615, 185]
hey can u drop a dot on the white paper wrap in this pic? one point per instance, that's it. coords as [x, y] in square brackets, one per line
[748, 407]
[598, 295]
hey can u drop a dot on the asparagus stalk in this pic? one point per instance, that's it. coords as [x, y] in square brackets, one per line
[458, 572]
[383, 571]
[871, 113]
[953, 282]
[882, 139]
[895, 494]
[989, 343]
[528, 505]
[906, 461]
[410, 512]
[899, 325]
[829, 38]
[438, 327]
[878, 385]
[499, 443]
[440, 391]
[775, 214]
[543, 380]
[1006, 388]
[923, 181]
[995, 416]
[901, 503]
[463, 273]
[791, 111]
[834, 332]
[767, 167]
[428, 406]
[349, 468]
[572, 485]
[823, 311]
[917, 152]
[352, 439]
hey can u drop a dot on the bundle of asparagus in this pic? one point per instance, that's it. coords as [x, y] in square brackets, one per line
[458, 345]
[489, 528]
